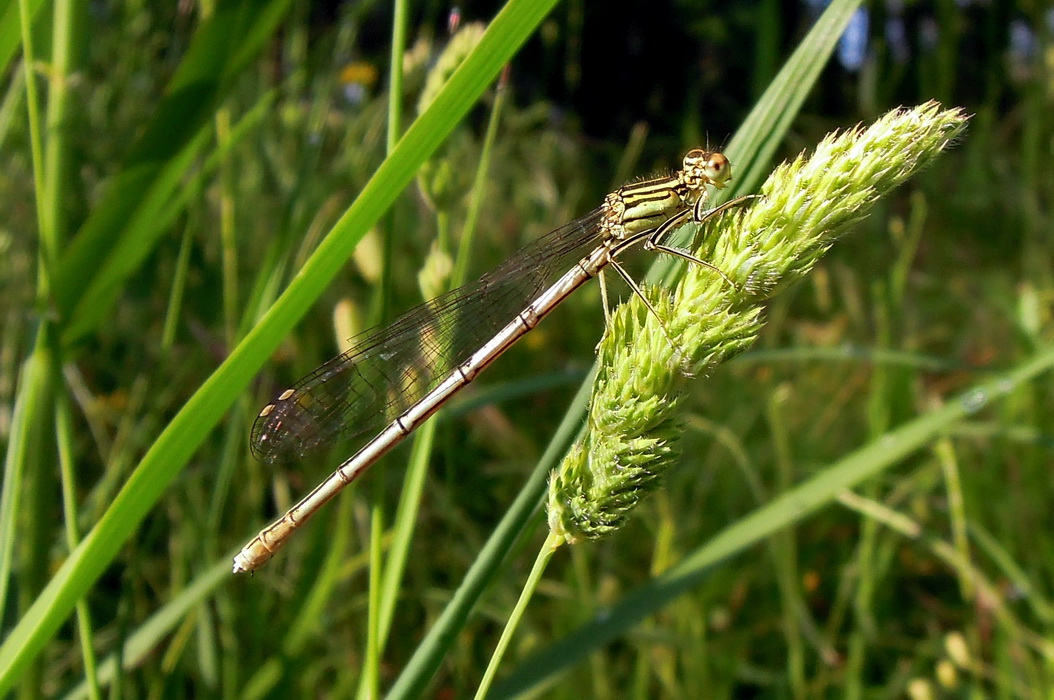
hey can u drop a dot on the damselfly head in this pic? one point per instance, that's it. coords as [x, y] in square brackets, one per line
[706, 168]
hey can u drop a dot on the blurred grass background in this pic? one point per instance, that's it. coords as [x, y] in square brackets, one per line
[194, 156]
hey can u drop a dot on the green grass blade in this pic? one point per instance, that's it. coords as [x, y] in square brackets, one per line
[11, 32]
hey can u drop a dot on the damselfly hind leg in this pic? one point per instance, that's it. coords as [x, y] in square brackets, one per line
[640, 293]
[604, 297]
[700, 216]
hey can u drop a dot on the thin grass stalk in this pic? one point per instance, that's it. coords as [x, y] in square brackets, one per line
[48, 244]
[57, 148]
[65, 437]
[228, 228]
[949, 461]
[370, 680]
[23, 508]
[541, 561]
[479, 185]
[783, 549]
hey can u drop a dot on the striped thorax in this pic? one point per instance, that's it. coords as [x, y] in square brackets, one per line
[648, 204]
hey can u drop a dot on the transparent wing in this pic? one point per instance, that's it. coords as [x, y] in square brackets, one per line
[387, 370]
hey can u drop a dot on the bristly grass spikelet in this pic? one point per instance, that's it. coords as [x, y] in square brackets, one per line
[805, 205]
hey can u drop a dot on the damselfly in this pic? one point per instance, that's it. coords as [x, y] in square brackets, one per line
[400, 375]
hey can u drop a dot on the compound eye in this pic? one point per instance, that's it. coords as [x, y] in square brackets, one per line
[718, 170]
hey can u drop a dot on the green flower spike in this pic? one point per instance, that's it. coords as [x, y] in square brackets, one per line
[634, 427]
